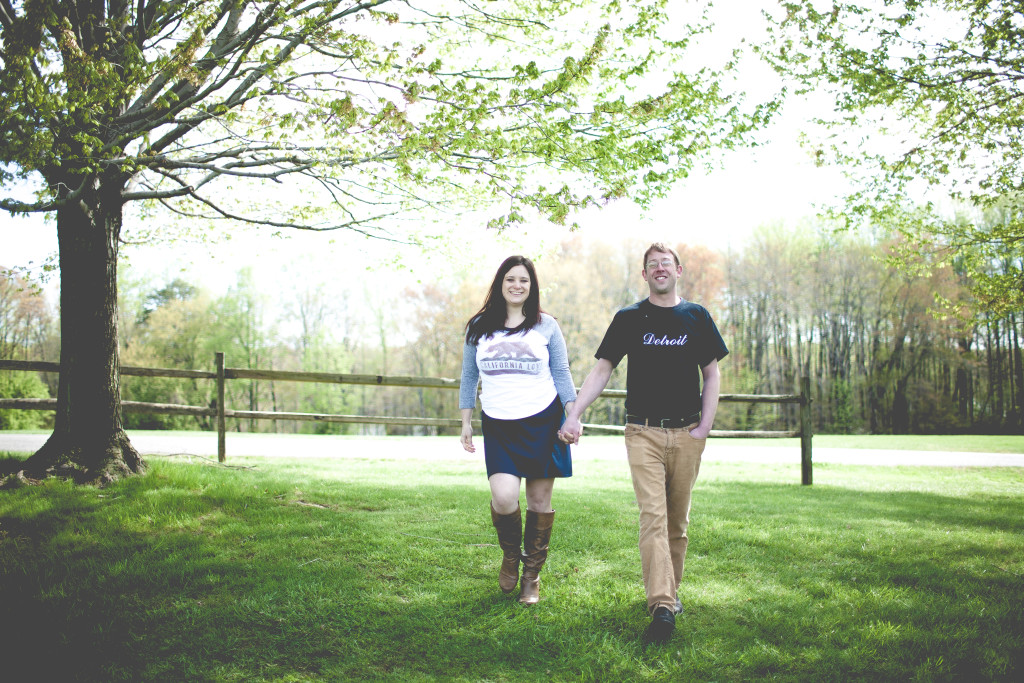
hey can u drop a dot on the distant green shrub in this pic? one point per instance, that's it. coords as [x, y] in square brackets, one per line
[22, 385]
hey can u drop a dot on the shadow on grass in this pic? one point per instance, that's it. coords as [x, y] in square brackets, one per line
[194, 573]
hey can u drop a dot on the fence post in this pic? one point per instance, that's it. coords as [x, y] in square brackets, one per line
[222, 446]
[806, 473]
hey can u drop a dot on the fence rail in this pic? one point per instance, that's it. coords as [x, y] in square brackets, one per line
[221, 375]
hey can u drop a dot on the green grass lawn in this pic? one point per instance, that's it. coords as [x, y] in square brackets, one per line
[968, 443]
[310, 569]
[978, 443]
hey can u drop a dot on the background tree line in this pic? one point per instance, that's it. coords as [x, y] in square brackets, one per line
[27, 332]
[888, 350]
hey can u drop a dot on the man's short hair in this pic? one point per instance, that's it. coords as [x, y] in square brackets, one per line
[662, 247]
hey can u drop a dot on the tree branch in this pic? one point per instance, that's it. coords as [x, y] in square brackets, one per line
[14, 206]
[165, 194]
[7, 14]
[354, 224]
[149, 95]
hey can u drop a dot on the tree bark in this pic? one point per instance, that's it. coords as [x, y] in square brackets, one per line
[89, 443]
[900, 408]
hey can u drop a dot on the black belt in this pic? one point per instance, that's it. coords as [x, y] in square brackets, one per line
[664, 422]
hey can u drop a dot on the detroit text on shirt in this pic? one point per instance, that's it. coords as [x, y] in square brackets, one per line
[650, 339]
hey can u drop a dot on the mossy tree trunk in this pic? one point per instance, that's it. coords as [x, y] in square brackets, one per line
[88, 442]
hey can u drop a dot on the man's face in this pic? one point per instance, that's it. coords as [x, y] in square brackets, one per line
[661, 272]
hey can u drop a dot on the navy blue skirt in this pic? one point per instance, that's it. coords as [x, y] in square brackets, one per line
[529, 447]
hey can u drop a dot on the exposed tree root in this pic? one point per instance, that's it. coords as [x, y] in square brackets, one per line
[98, 465]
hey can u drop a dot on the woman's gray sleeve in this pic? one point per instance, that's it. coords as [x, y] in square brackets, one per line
[559, 361]
[470, 377]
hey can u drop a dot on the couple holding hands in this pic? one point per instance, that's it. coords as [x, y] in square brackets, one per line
[531, 415]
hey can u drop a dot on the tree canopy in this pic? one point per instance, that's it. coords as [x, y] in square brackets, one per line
[940, 81]
[325, 115]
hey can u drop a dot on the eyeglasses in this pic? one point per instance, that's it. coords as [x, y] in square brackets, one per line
[664, 263]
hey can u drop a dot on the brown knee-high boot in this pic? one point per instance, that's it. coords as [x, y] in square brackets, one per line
[510, 539]
[535, 553]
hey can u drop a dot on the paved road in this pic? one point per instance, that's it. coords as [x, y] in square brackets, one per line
[447, 448]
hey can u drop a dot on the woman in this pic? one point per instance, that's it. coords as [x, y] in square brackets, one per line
[519, 353]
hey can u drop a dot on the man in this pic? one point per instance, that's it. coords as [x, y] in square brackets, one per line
[668, 418]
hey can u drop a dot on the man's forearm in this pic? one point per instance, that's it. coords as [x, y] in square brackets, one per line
[592, 387]
[709, 396]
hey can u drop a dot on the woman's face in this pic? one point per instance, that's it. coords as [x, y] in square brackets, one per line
[516, 286]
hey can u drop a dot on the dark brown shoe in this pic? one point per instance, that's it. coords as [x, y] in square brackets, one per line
[536, 538]
[510, 539]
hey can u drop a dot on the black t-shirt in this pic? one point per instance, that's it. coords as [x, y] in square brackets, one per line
[666, 349]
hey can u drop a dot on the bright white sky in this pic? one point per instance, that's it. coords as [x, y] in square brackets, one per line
[767, 184]
[770, 183]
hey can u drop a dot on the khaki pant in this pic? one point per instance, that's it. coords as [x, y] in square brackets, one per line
[664, 464]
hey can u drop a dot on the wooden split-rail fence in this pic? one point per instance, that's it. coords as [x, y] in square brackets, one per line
[221, 375]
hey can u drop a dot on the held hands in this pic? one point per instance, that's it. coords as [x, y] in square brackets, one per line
[571, 431]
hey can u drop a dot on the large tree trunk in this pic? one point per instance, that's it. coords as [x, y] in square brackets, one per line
[88, 442]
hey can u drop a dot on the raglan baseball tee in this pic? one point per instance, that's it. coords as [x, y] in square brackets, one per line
[521, 373]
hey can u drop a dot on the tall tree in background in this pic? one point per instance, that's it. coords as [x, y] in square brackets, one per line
[25, 322]
[340, 114]
[166, 326]
[24, 317]
[437, 328]
[702, 279]
[940, 80]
